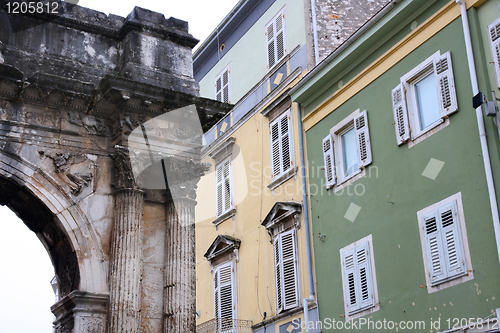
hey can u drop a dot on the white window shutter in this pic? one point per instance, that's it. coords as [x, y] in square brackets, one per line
[364, 272]
[400, 114]
[350, 280]
[271, 46]
[494, 34]
[445, 82]
[228, 202]
[280, 37]
[278, 280]
[289, 270]
[286, 141]
[218, 88]
[216, 294]
[329, 160]
[452, 241]
[219, 189]
[363, 139]
[275, 139]
[226, 295]
[434, 248]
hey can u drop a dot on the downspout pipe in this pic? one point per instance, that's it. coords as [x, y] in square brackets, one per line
[315, 32]
[480, 123]
[306, 221]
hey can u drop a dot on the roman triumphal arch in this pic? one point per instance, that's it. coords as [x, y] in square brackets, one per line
[100, 133]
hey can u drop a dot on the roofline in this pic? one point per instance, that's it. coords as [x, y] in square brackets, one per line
[219, 27]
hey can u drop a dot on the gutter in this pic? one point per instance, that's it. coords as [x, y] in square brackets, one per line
[480, 124]
[219, 27]
[374, 19]
[306, 221]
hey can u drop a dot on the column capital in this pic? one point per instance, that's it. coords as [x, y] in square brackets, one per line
[183, 177]
[124, 176]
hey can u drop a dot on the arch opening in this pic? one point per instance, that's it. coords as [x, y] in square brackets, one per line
[39, 219]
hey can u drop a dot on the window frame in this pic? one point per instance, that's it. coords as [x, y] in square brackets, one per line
[220, 166]
[373, 306]
[404, 101]
[449, 280]
[217, 295]
[336, 154]
[229, 83]
[274, 39]
[279, 276]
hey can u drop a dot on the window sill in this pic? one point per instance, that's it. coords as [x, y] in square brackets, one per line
[362, 313]
[281, 179]
[223, 217]
[351, 179]
[424, 135]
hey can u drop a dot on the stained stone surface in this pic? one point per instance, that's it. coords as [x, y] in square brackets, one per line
[73, 86]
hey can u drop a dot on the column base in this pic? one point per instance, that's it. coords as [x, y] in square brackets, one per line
[81, 312]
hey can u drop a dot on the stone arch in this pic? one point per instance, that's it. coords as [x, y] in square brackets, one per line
[65, 231]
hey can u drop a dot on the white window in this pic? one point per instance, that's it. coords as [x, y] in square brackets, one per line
[224, 187]
[276, 39]
[424, 98]
[358, 277]
[494, 34]
[225, 296]
[445, 251]
[223, 86]
[286, 263]
[281, 140]
[347, 149]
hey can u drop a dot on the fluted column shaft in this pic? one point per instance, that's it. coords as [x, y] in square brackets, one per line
[126, 262]
[180, 267]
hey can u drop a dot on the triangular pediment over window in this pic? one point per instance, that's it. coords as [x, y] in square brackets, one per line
[223, 248]
[283, 216]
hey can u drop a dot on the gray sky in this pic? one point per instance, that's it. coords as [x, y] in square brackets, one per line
[25, 267]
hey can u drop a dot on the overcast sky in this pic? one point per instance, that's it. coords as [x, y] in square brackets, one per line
[25, 268]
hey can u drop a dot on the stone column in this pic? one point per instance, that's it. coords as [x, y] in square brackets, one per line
[126, 250]
[180, 256]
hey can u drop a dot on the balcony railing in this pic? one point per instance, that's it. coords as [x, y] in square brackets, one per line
[225, 325]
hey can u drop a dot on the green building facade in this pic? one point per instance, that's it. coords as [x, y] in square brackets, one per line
[402, 215]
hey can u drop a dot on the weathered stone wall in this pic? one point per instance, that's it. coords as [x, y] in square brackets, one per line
[338, 19]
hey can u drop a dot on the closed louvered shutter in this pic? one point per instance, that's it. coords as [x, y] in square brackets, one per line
[289, 260]
[219, 189]
[224, 195]
[350, 281]
[452, 240]
[494, 35]
[400, 115]
[434, 248]
[363, 139]
[358, 279]
[279, 284]
[225, 296]
[276, 40]
[445, 256]
[281, 145]
[286, 271]
[280, 36]
[447, 96]
[223, 86]
[329, 161]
